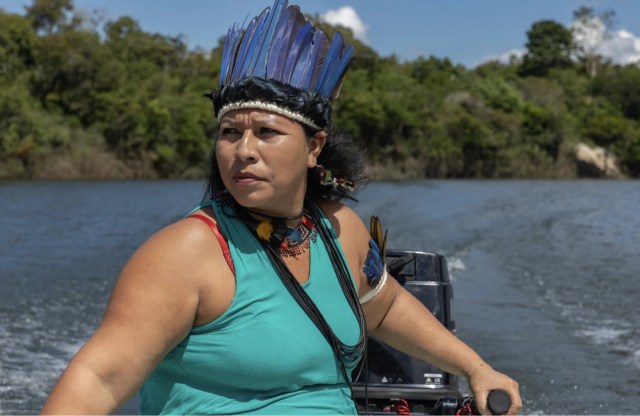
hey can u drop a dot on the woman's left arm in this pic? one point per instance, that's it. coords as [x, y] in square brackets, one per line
[397, 318]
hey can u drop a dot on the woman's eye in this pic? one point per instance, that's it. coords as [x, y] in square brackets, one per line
[267, 130]
[227, 131]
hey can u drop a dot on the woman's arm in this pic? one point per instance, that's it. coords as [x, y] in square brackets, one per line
[397, 318]
[403, 322]
[154, 304]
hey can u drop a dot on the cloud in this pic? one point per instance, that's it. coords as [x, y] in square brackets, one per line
[346, 16]
[621, 46]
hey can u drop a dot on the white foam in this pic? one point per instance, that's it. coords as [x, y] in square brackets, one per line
[29, 373]
[616, 335]
[603, 335]
[455, 264]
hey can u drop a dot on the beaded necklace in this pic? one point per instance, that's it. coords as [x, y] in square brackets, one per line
[288, 241]
[290, 247]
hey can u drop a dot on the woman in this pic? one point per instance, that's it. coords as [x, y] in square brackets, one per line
[258, 302]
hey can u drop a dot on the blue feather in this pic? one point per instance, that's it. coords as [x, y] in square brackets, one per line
[317, 59]
[236, 38]
[333, 84]
[281, 43]
[260, 69]
[330, 59]
[248, 44]
[294, 52]
[322, 52]
[373, 265]
[309, 68]
[287, 56]
[303, 62]
[259, 44]
[226, 67]
[244, 45]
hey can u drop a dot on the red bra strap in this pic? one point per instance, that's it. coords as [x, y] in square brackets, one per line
[223, 243]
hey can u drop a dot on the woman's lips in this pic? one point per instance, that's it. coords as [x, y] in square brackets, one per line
[246, 178]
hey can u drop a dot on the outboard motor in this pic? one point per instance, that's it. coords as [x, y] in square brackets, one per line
[399, 383]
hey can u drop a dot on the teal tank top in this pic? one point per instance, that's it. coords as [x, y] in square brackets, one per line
[263, 355]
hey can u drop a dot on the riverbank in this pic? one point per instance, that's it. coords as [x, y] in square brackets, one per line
[97, 164]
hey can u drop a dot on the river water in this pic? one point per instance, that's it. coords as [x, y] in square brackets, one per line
[545, 273]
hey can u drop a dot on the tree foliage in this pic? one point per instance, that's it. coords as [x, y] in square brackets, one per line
[49, 15]
[77, 100]
[550, 45]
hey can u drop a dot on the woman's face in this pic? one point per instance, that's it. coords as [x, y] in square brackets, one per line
[263, 159]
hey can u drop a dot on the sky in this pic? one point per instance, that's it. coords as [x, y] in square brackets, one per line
[468, 32]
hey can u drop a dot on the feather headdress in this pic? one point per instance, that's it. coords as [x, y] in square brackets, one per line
[280, 44]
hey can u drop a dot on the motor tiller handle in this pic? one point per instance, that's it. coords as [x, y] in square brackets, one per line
[498, 402]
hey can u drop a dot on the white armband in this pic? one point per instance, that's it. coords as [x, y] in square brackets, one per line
[374, 292]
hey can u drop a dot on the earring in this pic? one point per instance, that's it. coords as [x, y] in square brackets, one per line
[326, 178]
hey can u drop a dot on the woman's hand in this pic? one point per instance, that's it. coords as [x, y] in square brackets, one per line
[483, 379]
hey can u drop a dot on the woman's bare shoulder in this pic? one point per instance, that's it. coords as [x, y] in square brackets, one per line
[338, 212]
[346, 222]
[178, 248]
[184, 240]
[173, 268]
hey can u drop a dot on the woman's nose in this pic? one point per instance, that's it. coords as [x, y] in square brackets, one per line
[246, 147]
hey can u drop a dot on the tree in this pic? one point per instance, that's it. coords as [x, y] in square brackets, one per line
[549, 46]
[49, 15]
[17, 42]
[590, 32]
[621, 86]
[440, 75]
[73, 69]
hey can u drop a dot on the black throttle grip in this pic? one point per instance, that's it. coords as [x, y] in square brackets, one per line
[498, 402]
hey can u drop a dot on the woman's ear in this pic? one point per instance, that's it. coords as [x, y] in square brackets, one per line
[316, 143]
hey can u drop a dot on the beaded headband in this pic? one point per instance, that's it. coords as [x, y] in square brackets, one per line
[274, 108]
[280, 44]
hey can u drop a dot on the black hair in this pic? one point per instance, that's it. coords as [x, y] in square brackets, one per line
[310, 104]
[339, 155]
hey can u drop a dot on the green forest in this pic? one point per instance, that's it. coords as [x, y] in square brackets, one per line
[81, 97]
